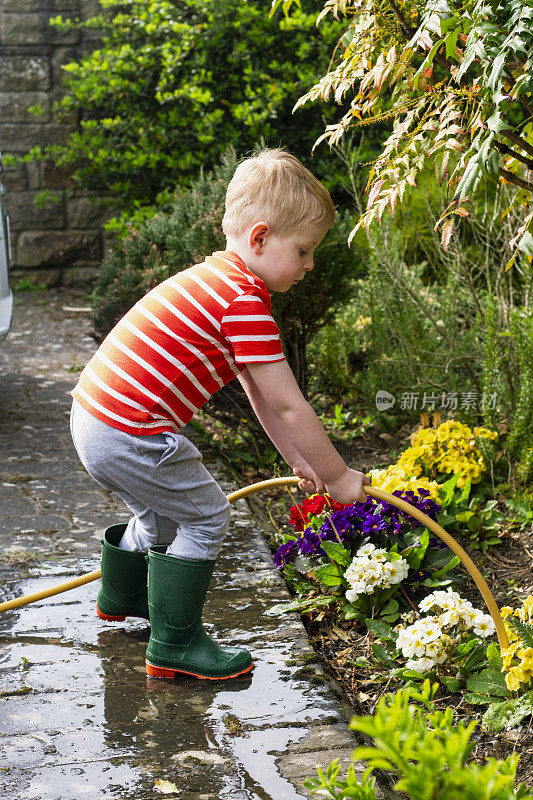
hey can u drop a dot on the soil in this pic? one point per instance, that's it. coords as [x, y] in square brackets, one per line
[506, 567]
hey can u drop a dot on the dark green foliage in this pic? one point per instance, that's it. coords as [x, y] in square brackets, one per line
[174, 84]
[163, 245]
[447, 322]
[192, 230]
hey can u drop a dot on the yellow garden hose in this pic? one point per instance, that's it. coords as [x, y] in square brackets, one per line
[273, 483]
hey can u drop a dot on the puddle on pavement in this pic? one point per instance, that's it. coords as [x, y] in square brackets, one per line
[80, 718]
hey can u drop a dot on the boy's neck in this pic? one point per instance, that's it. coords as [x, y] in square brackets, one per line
[240, 246]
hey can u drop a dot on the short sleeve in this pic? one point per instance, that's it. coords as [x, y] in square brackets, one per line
[251, 331]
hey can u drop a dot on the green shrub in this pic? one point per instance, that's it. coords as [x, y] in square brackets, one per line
[191, 230]
[174, 84]
[425, 751]
[455, 322]
[508, 375]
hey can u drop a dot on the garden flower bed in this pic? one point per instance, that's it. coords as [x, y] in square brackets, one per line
[388, 605]
[385, 602]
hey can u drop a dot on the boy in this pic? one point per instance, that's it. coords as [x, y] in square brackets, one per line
[178, 345]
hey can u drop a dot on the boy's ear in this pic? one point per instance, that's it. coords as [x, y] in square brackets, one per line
[257, 237]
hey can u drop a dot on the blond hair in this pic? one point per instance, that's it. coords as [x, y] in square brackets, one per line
[273, 186]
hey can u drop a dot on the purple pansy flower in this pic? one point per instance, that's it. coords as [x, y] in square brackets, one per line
[286, 552]
[309, 543]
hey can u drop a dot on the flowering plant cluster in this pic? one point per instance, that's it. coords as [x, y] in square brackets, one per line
[450, 448]
[434, 452]
[374, 568]
[369, 558]
[518, 657]
[399, 478]
[427, 641]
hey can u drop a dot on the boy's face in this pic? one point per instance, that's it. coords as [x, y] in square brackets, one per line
[282, 261]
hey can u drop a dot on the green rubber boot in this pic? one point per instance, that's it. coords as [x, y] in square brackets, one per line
[124, 574]
[178, 643]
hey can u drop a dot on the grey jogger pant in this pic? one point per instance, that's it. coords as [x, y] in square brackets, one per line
[173, 498]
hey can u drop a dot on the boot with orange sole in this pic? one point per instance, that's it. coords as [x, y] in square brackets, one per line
[178, 644]
[124, 574]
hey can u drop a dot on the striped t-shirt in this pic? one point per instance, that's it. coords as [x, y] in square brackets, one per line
[178, 345]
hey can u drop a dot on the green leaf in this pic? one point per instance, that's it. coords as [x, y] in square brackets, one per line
[351, 611]
[476, 699]
[336, 552]
[451, 42]
[427, 62]
[381, 653]
[497, 70]
[509, 713]
[488, 682]
[494, 657]
[446, 490]
[452, 563]
[524, 630]
[381, 629]
[469, 179]
[328, 575]
[452, 684]
[416, 554]
[465, 494]
[464, 516]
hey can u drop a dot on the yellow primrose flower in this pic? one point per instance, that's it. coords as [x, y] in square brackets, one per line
[394, 478]
[526, 656]
[527, 605]
[508, 653]
[511, 680]
[486, 433]
[521, 672]
[451, 448]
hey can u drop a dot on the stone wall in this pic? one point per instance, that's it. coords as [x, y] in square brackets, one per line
[63, 241]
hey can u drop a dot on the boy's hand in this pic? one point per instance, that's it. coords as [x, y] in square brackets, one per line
[310, 482]
[349, 487]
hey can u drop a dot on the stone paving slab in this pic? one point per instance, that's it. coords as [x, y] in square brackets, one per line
[79, 718]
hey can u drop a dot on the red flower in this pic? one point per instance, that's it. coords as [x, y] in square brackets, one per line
[319, 503]
[314, 505]
[333, 505]
[298, 518]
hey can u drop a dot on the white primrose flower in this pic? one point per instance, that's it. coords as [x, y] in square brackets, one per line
[366, 549]
[484, 625]
[470, 615]
[413, 647]
[397, 570]
[371, 569]
[426, 641]
[420, 664]
[409, 617]
[440, 599]
[435, 650]
[450, 618]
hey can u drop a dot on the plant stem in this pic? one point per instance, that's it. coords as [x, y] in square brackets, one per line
[408, 599]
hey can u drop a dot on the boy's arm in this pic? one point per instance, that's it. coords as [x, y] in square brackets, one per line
[275, 384]
[278, 436]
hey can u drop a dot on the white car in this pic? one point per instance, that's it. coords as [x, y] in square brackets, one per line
[6, 295]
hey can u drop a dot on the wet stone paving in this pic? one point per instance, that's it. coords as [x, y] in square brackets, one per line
[79, 718]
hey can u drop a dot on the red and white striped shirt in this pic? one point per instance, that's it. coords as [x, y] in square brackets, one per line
[178, 345]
